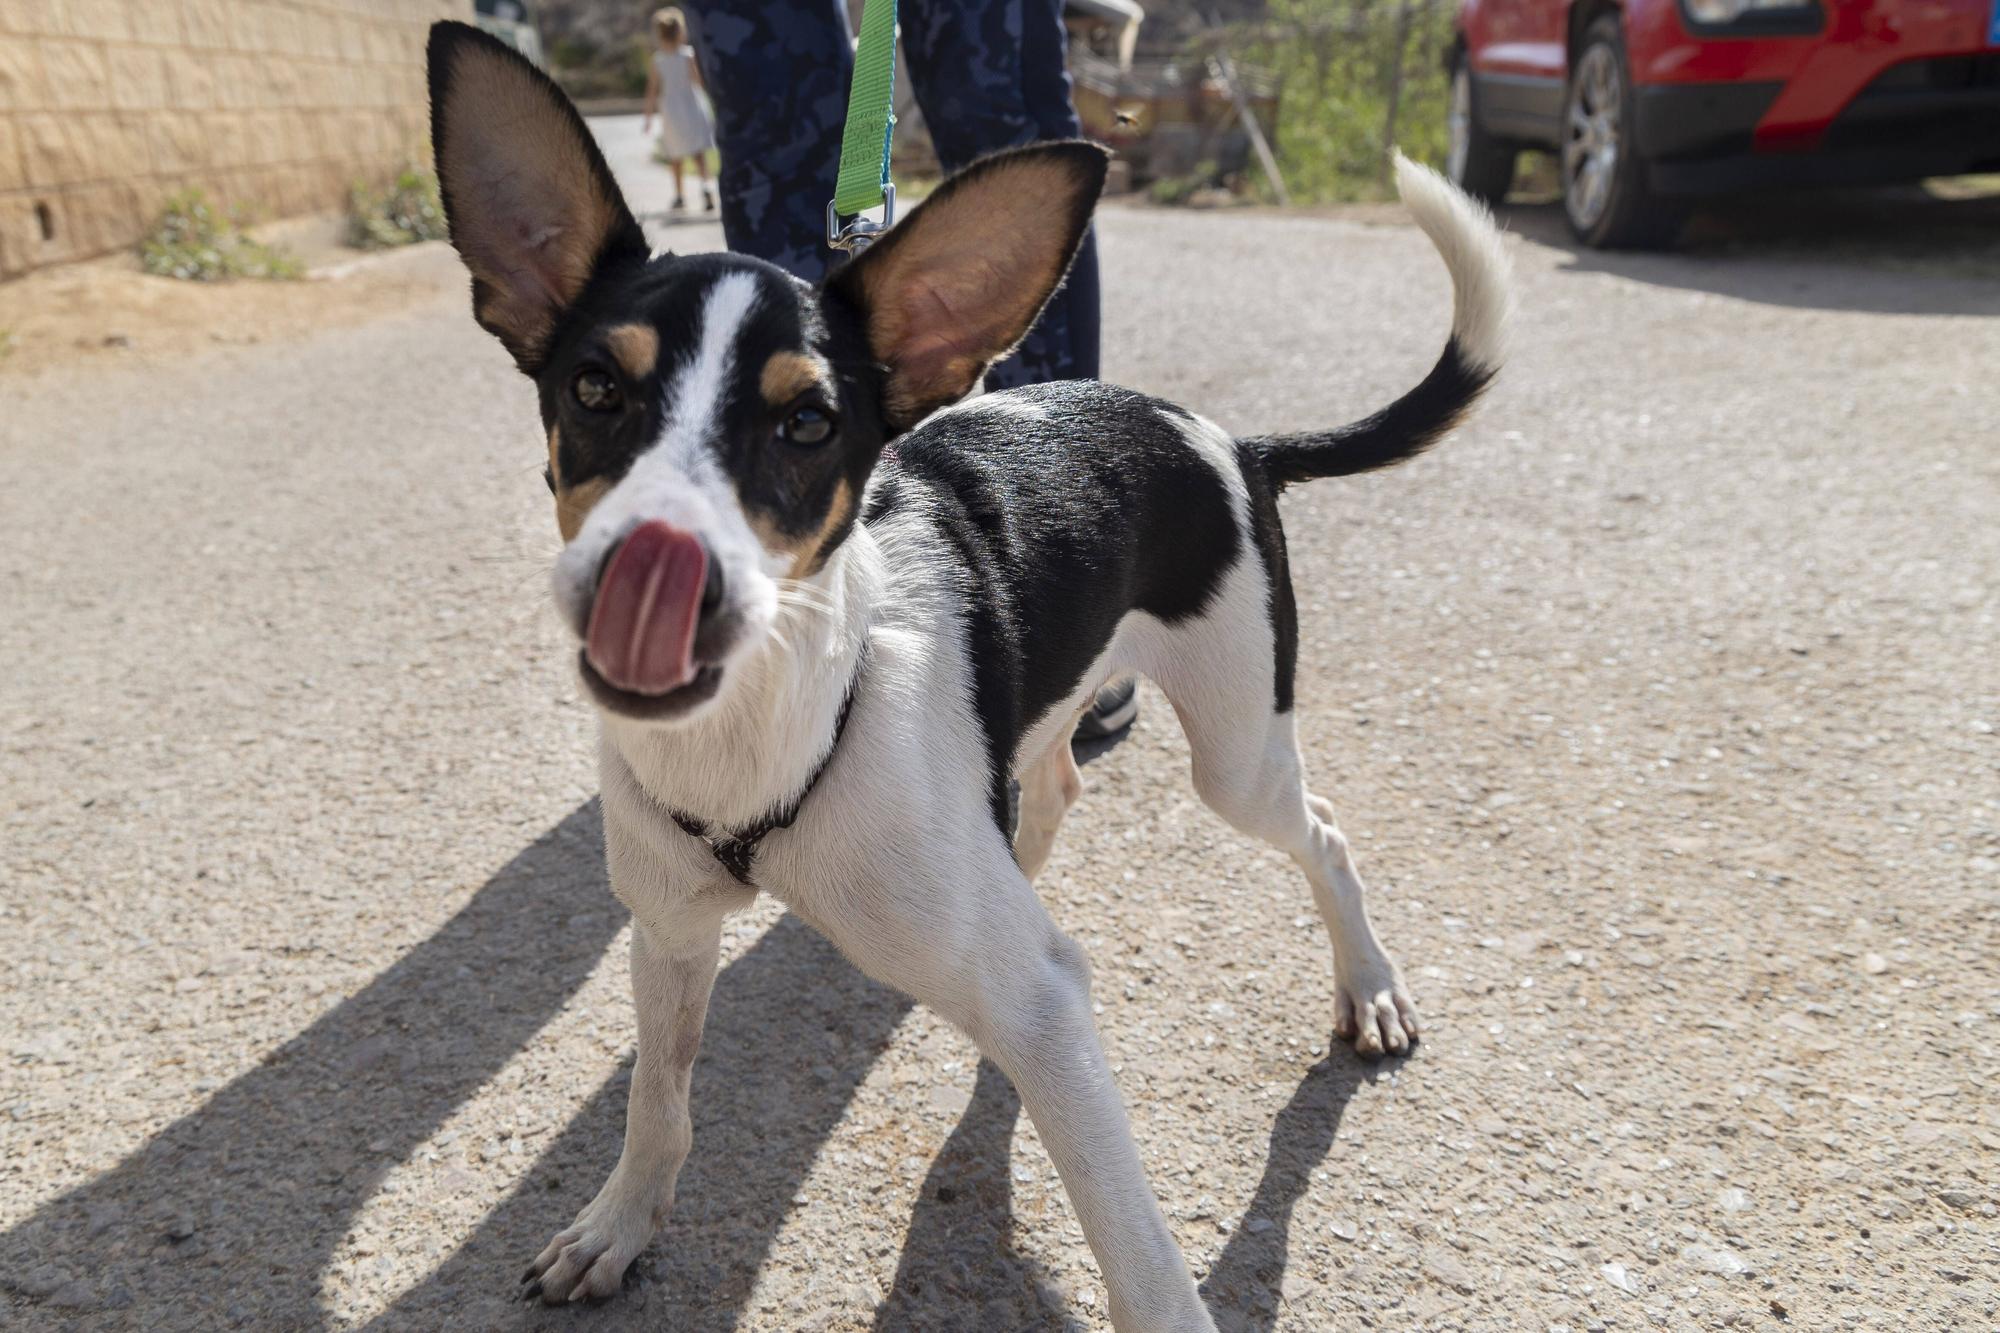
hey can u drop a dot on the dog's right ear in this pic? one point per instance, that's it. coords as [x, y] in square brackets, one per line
[532, 207]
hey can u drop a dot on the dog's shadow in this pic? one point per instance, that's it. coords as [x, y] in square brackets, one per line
[1245, 1288]
[233, 1215]
[792, 1030]
[959, 1267]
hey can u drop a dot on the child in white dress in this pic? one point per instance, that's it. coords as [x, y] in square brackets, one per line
[671, 82]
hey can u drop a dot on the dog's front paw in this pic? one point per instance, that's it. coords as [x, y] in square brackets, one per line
[587, 1261]
[1373, 1008]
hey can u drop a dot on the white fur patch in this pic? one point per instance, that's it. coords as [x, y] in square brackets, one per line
[1470, 245]
[695, 400]
[1018, 406]
[1218, 449]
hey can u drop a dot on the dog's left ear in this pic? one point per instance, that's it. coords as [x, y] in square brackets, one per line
[532, 206]
[953, 287]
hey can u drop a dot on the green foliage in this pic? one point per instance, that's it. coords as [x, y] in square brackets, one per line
[589, 73]
[408, 210]
[571, 51]
[1180, 189]
[1342, 63]
[638, 66]
[192, 241]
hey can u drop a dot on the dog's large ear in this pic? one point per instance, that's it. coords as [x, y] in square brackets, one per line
[953, 287]
[533, 208]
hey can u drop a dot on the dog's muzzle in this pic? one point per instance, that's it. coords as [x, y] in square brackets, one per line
[655, 590]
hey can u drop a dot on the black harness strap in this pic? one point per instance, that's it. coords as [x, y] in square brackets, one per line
[736, 849]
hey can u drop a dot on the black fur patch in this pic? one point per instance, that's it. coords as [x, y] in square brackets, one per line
[1403, 429]
[1061, 526]
[1268, 531]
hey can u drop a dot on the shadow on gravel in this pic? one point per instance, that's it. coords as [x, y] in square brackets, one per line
[959, 1268]
[792, 1030]
[1894, 251]
[231, 1214]
[1245, 1288]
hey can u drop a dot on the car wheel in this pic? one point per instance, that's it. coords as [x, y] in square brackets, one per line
[1476, 162]
[1605, 195]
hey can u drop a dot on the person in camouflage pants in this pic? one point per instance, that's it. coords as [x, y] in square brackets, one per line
[988, 74]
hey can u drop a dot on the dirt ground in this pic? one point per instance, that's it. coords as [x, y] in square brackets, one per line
[110, 314]
[1659, 703]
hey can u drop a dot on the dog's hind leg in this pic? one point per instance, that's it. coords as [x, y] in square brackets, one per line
[1246, 768]
[1048, 789]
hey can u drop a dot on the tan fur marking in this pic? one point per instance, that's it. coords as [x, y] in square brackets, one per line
[573, 503]
[806, 551]
[789, 374]
[637, 348]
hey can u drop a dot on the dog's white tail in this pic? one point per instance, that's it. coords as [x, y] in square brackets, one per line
[1470, 245]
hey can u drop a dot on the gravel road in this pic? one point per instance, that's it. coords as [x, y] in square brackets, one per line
[1659, 702]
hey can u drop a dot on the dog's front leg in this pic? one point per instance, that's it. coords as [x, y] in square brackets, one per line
[1001, 970]
[673, 968]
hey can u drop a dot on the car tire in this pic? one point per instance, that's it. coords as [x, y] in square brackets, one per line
[1606, 199]
[1476, 162]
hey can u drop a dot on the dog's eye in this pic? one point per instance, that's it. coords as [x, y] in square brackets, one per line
[807, 426]
[596, 391]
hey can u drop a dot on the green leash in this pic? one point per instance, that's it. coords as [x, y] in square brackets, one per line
[863, 182]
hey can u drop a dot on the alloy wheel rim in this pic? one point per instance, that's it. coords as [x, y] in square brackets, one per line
[1591, 136]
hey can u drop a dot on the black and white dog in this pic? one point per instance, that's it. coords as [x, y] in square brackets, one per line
[820, 657]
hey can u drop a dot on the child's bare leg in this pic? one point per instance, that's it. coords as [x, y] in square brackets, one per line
[676, 165]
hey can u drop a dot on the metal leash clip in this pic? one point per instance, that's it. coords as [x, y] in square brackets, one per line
[860, 231]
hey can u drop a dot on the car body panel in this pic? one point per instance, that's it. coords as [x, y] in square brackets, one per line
[1696, 88]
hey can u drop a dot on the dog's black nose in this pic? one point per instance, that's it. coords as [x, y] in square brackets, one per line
[711, 589]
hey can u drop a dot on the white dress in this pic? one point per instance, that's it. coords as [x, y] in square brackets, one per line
[685, 130]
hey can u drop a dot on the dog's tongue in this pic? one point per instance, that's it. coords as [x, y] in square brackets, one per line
[641, 635]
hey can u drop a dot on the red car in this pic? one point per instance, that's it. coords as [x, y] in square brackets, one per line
[1650, 104]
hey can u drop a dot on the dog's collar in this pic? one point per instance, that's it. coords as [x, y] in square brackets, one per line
[736, 849]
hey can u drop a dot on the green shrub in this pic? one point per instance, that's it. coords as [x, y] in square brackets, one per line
[192, 241]
[1355, 75]
[614, 72]
[406, 211]
[571, 51]
[1179, 189]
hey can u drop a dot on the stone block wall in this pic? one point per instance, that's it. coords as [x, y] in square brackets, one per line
[276, 106]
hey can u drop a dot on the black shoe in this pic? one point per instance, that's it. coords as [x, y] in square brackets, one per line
[1113, 711]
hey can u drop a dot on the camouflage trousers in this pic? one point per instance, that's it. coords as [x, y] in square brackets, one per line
[987, 74]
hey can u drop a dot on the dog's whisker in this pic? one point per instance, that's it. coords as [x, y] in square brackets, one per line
[806, 597]
[787, 605]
